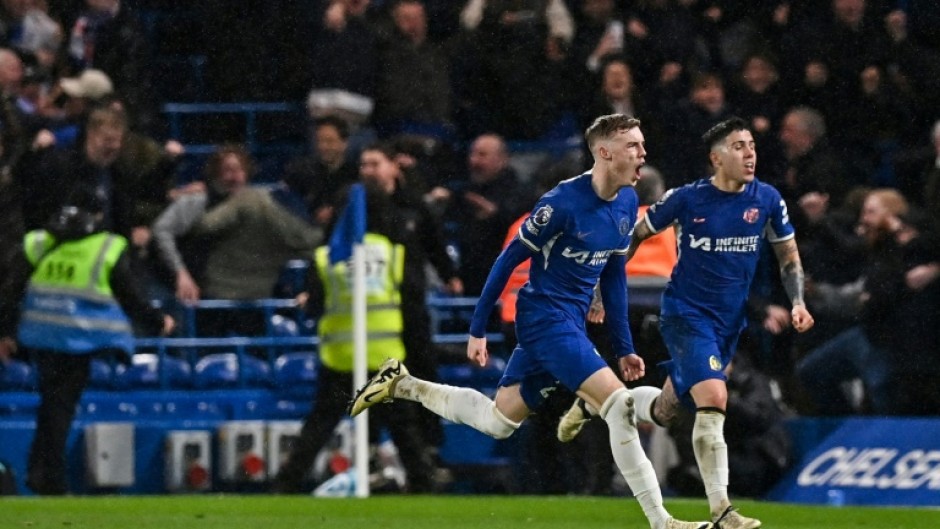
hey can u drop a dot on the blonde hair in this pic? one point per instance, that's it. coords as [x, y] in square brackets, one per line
[892, 200]
[606, 126]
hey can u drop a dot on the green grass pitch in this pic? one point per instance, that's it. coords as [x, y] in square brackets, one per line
[415, 512]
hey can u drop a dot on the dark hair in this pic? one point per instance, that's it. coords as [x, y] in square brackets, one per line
[606, 126]
[703, 79]
[719, 132]
[384, 147]
[341, 126]
[213, 166]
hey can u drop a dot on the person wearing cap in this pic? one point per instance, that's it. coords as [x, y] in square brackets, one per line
[77, 290]
[74, 98]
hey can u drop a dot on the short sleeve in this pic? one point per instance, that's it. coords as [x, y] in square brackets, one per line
[543, 225]
[779, 228]
[663, 213]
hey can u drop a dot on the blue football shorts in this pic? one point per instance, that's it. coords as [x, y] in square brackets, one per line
[551, 349]
[697, 351]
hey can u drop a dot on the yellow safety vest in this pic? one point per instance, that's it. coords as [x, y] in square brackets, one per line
[69, 305]
[385, 267]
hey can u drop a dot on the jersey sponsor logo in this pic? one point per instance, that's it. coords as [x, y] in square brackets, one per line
[587, 257]
[698, 220]
[751, 215]
[714, 363]
[704, 243]
[746, 244]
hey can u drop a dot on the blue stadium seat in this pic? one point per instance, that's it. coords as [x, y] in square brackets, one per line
[295, 369]
[18, 376]
[145, 372]
[283, 327]
[221, 370]
[100, 375]
[293, 278]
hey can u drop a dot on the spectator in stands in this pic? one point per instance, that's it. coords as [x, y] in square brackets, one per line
[811, 164]
[248, 238]
[598, 34]
[401, 104]
[26, 26]
[72, 100]
[686, 121]
[396, 237]
[618, 93]
[227, 171]
[14, 138]
[756, 95]
[845, 42]
[12, 73]
[321, 176]
[107, 36]
[482, 207]
[511, 75]
[759, 444]
[931, 179]
[812, 89]
[79, 291]
[661, 39]
[873, 135]
[343, 61]
[893, 348]
[48, 176]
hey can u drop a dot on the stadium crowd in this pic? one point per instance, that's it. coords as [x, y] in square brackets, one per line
[841, 96]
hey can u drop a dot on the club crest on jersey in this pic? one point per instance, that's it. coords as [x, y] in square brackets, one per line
[624, 226]
[542, 216]
[714, 363]
[751, 215]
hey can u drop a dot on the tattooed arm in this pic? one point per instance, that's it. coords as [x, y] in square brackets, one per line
[791, 273]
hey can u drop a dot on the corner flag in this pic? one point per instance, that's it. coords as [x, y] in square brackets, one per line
[351, 226]
[346, 245]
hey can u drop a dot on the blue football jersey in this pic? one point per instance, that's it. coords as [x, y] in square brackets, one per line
[573, 233]
[719, 236]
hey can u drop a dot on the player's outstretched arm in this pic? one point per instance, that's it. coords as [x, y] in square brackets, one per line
[791, 273]
[641, 232]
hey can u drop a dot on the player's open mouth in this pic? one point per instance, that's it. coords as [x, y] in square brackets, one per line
[638, 176]
[749, 167]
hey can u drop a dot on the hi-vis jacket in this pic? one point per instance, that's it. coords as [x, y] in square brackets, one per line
[69, 306]
[385, 265]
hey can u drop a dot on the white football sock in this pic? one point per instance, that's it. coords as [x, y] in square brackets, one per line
[631, 460]
[643, 398]
[711, 453]
[459, 405]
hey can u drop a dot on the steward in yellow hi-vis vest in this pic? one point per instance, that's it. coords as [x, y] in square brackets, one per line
[69, 305]
[77, 291]
[385, 264]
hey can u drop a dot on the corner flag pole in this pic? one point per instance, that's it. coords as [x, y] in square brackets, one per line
[346, 243]
[360, 362]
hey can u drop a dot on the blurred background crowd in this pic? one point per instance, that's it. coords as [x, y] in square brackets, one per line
[842, 95]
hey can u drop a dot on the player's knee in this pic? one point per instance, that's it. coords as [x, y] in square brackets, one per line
[618, 411]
